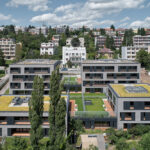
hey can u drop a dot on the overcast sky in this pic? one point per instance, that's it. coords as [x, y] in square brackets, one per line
[94, 13]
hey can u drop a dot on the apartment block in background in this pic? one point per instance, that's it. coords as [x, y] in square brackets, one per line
[131, 104]
[100, 41]
[75, 54]
[139, 40]
[21, 75]
[47, 48]
[97, 74]
[8, 48]
[129, 52]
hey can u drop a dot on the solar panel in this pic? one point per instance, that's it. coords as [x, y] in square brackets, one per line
[136, 89]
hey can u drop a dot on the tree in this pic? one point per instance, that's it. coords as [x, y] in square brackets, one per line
[144, 58]
[57, 112]
[112, 27]
[110, 43]
[18, 143]
[145, 142]
[75, 42]
[128, 38]
[67, 32]
[122, 145]
[2, 60]
[18, 51]
[141, 31]
[102, 31]
[36, 112]
[69, 63]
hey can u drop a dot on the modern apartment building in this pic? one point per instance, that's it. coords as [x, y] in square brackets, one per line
[8, 47]
[47, 48]
[129, 52]
[97, 74]
[131, 104]
[75, 54]
[139, 40]
[21, 75]
[14, 116]
[100, 41]
[68, 42]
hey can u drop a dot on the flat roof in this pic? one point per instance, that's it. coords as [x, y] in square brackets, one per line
[36, 62]
[6, 101]
[109, 61]
[131, 90]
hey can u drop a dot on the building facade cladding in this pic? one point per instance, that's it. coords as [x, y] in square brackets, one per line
[96, 75]
[17, 123]
[130, 111]
[21, 76]
[75, 54]
[47, 48]
[8, 48]
[129, 52]
[139, 40]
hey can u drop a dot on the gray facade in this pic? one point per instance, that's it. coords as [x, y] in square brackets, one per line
[21, 75]
[17, 123]
[130, 111]
[97, 74]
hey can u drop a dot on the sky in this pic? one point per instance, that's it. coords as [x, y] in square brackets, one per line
[76, 13]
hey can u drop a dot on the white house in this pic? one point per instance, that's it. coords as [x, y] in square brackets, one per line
[47, 48]
[75, 54]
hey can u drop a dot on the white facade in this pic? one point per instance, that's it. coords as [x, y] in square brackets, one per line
[139, 40]
[68, 42]
[47, 48]
[75, 54]
[8, 48]
[129, 52]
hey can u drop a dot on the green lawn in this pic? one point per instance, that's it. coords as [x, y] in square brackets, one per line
[97, 102]
[97, 105]
[70, 80]
[2, 75]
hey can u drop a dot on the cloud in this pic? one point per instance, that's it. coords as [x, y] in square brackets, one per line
[140, 23]
[123, 25]
[125, 19]
[85, 13]
[148, 5]
[4, 17]
[34, 5]
[7, 17]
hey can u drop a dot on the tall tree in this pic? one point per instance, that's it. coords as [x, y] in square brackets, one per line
[109, 43]
[2, 60]
[128, 38]
[102, 31]
[67, 32]
[112, 27]
[36, 112]
[57, 112]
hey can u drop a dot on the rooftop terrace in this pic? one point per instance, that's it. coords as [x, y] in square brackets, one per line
[37, 62]
[108, 61]
[131, 90]
[6, 104]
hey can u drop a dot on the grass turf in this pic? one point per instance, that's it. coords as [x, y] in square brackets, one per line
[97, 105]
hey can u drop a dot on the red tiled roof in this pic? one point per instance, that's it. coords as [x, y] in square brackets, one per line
[105, 50]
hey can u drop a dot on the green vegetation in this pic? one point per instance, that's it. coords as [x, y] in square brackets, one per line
[141, 31]
[91, 114]
[75, 42]
[57, 113]
[36, 112]
[134, 138]
[7, 92]
[2, 61]
[70, 80]
[143, 57]
[97, 104]
[2, 73]
[128, 38]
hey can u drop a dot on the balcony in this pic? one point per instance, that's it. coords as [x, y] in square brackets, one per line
[24, 122]
[3, 122]
[147, 107]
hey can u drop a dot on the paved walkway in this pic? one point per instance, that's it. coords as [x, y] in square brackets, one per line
[109, 108]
